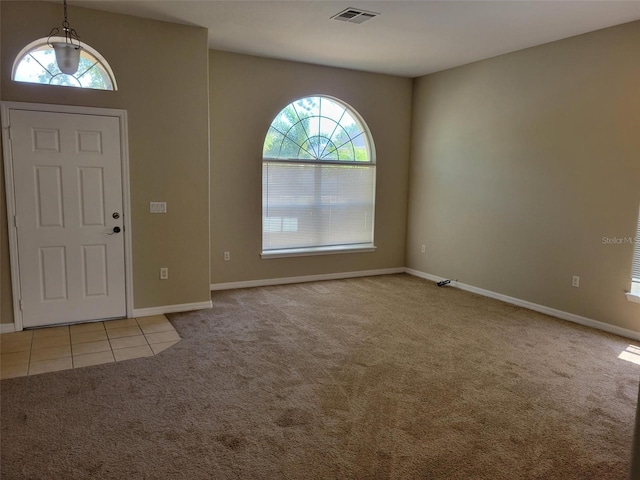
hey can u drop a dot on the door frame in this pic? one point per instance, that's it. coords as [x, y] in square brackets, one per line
[121, 115]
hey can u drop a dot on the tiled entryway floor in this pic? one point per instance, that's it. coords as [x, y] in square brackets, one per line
[31, 352]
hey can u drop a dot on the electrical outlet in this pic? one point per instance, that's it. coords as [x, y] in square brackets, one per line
[164, 273]
[227, 256]
[423, 249]
[575, 281]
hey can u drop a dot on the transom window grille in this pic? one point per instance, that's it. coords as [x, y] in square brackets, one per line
[36, 63]
[318, 179]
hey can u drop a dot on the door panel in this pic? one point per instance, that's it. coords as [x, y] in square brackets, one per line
[92, 196]
[48, 188]
[94, 260]
[53, 273]
[68, 185]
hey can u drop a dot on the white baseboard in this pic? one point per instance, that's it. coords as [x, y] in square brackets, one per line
[307, 278]
[7, 328]
[140, 312]
[571, 317]
[185, 307]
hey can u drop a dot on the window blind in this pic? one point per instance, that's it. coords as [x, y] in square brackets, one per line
[635, 270]
[316, 204]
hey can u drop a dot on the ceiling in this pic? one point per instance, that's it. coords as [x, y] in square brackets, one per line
[408, 38]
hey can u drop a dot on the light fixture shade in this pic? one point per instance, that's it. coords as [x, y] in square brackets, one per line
[67, 57]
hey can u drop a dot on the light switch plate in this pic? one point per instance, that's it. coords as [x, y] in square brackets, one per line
[158, 207]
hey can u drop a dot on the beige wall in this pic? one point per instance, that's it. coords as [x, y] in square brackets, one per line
[162, 74]
[522, 163]
[246, 93]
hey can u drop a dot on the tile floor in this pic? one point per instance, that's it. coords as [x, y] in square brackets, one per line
[42, 350]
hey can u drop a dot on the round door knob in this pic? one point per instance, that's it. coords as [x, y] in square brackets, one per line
[116, 229]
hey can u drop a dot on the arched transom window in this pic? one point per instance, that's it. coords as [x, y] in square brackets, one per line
[318, 180]
[36, 63]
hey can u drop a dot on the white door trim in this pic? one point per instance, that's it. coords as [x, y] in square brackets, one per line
[5, 108]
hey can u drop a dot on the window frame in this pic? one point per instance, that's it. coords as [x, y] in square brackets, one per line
[634, 294]
[36, 44]
[370, 162]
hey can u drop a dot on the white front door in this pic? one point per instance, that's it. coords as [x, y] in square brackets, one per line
[67, 183]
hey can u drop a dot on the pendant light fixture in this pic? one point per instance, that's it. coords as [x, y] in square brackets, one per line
[67, 53]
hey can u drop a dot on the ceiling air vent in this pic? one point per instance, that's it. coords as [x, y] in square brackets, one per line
[352, 15]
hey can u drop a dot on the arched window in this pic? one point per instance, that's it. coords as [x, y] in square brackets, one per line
[318, 180]
[36, 63]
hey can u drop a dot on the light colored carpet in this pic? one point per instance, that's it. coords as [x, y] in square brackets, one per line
[373, 378]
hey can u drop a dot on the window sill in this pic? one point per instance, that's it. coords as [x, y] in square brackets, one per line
[306, 252]
[633, 297]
